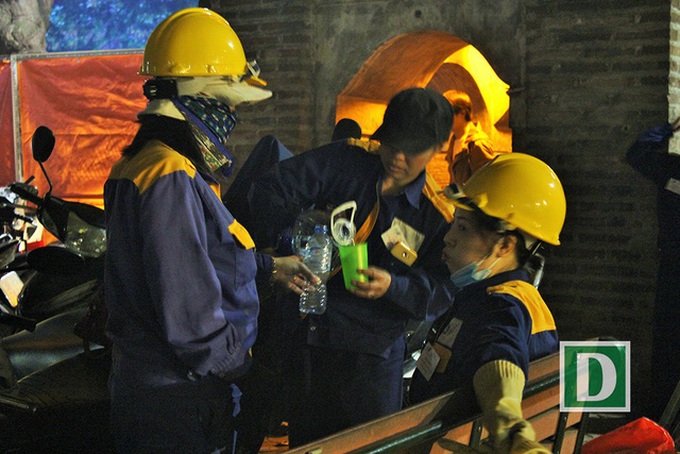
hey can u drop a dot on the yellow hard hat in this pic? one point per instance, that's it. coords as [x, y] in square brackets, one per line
[520, 190]
[195, 42]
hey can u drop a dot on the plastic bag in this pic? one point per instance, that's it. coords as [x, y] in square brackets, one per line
[642, 436]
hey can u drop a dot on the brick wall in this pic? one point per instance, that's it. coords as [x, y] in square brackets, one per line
[585, 77]
[596, 77]
[278, 35]
[674, 73]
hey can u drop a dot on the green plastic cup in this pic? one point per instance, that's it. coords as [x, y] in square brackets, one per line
[352, 258]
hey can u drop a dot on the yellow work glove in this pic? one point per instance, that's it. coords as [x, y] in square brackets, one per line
[498, 386]
[519, 445]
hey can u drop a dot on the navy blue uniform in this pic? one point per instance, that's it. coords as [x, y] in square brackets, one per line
[182, 301]
[346, 365]
[500, 318]
[649, 156]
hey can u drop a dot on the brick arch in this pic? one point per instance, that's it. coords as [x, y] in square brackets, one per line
[427, 58]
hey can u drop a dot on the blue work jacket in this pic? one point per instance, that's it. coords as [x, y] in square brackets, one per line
[180, 273]
[500, 318]
[324, 178]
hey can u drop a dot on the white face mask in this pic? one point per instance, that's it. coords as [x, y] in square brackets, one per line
[471, 273]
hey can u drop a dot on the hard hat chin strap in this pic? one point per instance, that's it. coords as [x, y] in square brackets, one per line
[170, 87]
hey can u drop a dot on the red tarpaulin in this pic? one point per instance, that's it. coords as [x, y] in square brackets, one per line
[6, 129]
[90, 102]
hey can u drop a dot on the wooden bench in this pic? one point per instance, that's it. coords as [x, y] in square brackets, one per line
[456, 416]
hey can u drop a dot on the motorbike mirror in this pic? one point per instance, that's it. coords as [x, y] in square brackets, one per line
[42, 143]
[56, 260]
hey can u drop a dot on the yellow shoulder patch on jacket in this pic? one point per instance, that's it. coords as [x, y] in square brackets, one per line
[241, 234]
[542, 318]
[433, 191]
[154, 161]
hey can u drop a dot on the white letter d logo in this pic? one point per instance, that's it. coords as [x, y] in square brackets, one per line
[583, 377]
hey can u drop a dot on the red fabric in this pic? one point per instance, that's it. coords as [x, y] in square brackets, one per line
[641, 436]
[90, 103]
[6, 129]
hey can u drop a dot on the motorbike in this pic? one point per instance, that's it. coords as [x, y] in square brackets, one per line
[80, 230]
[53, 393]
[16, 226]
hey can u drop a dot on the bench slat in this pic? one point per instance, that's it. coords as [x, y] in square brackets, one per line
[450, 416]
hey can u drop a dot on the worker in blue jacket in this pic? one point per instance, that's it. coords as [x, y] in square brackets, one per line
[650, 156]
[498, 322]
[345, 366]
[180, 277]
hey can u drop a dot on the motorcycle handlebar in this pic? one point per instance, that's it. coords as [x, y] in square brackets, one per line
[21, 191]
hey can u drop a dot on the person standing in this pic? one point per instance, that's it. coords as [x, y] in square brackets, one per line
[345, 366]
[180, 275]
[470, 148]
[649, 155]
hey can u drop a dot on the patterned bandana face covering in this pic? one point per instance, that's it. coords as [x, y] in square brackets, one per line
[211, 122]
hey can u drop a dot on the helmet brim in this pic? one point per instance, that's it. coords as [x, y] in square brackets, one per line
[244, 93]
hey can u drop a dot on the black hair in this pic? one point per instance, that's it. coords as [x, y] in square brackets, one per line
[173, 132]
[463, 106]
[523, 254]
[460, 102]
[491, 224]
[346, 128]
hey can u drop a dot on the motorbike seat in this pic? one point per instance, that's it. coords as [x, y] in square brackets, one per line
[62, 408]
[52, 341]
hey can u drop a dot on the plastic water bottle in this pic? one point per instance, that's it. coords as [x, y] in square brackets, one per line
[317, 256]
